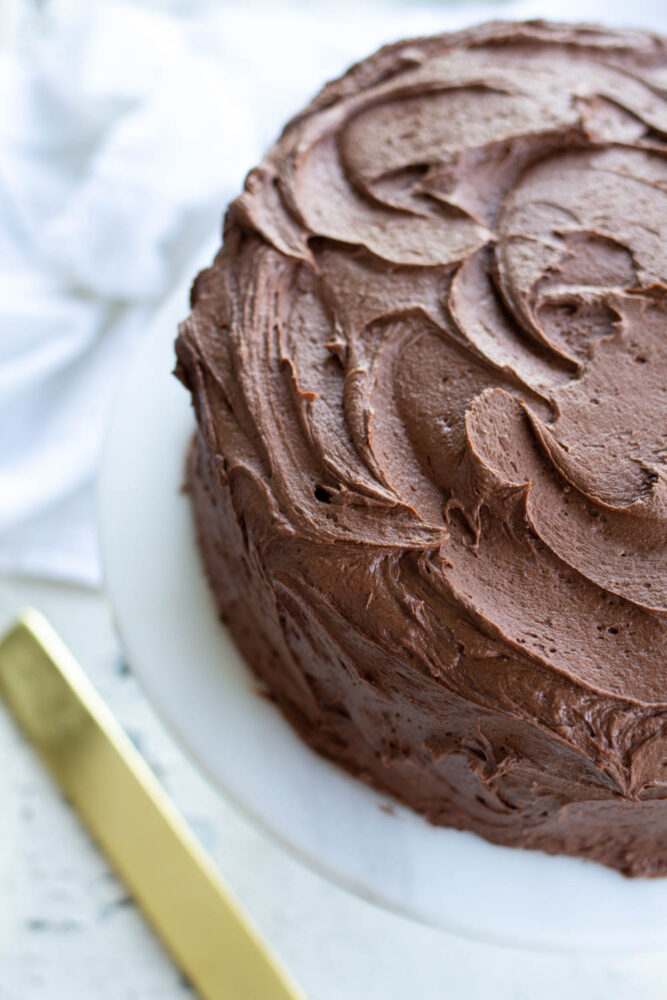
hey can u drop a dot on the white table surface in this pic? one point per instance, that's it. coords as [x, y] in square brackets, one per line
[68, 930]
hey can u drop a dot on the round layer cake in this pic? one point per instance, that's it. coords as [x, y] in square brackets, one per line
[429, 372]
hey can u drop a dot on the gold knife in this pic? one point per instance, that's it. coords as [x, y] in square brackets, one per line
[134, 821]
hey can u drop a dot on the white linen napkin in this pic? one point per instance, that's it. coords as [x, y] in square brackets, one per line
[108, 181]
[124, 131]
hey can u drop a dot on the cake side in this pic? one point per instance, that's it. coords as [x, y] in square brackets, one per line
[429, 373]
[459, 764]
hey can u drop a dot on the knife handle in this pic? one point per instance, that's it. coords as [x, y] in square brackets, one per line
[136, 824]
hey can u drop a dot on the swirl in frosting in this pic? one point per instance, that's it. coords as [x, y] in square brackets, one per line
[429, 368]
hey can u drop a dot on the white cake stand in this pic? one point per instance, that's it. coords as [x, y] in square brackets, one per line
[202, 689]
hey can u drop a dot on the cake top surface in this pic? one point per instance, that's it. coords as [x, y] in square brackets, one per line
[435, 340]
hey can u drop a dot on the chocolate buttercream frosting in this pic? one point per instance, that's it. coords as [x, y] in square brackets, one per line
[429, 372]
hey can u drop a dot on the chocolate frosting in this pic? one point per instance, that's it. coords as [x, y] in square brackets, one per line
[429, 369]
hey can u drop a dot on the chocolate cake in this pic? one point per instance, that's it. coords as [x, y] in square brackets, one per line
[429, 372]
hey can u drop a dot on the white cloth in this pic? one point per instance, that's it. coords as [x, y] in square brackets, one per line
[124, 130]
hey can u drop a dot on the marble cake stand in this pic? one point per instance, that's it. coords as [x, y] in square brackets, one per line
[202, 689]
